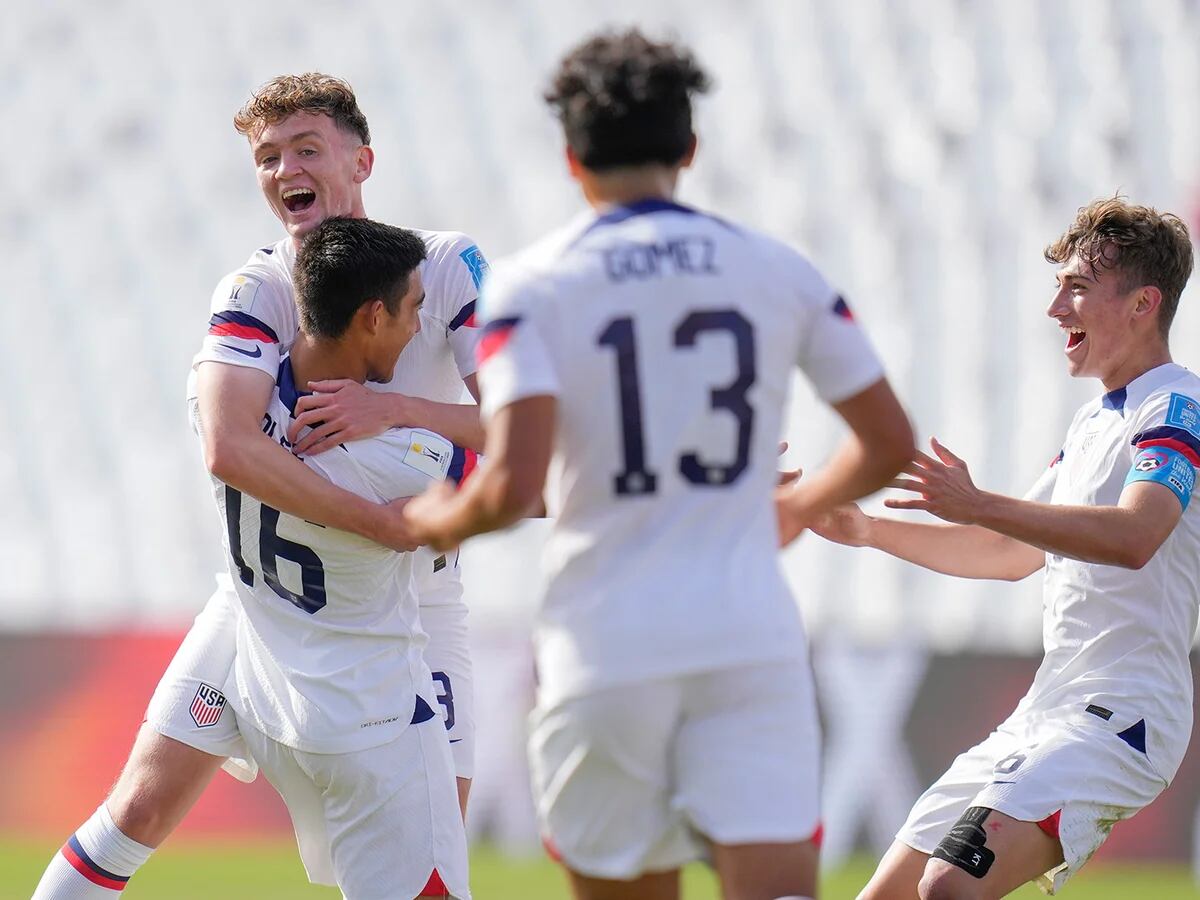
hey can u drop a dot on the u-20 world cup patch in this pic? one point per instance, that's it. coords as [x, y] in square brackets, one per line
[207, 706]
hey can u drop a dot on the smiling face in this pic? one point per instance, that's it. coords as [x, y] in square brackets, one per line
[1108, 322]
[309, 169]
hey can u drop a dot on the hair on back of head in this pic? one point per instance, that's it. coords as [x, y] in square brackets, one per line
[344, 263]
[625, 100]
[1146, 246]
[311, 92]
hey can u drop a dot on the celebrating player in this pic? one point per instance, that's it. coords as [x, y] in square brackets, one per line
[329, 683]
[643, 354]
[311, 149]
[1105, 724]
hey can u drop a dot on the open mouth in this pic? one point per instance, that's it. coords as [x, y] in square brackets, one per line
[1075, 337]
[299, 199]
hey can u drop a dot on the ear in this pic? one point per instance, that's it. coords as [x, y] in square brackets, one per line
[574, 166]
[690, 155]
[364, 162]
[372, 313]
[1149, 299]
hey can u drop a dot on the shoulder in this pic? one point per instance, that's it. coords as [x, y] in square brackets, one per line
[264, 277]
[401, 462]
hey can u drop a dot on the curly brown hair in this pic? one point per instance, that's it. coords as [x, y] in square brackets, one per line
[1146, 246]
[625, 100]
[312, 92]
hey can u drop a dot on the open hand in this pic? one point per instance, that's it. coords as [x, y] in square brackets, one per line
[944, 485]
[338, 411]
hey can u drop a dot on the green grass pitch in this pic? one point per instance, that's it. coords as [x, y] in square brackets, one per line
[273, 872]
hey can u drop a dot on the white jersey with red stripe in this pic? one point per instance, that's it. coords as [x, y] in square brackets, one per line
[329, 641]
[254, 321]
[669, 339]
[1118, 639]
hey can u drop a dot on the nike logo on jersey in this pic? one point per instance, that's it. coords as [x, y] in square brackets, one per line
[255, 355]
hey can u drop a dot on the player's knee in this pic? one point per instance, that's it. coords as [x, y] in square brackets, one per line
[943, 882]
[139, 814]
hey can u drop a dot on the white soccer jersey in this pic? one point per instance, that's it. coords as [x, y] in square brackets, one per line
[329, 643]
[669, 338]
[255, 321]
[1117, 640]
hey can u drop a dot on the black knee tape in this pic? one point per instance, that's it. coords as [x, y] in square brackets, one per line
[964, 845]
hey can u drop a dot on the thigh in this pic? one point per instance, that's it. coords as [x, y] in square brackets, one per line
[189, 704]
[393, 817]
[769, 711]
[601, 767]
[448, 656]
[767, 871]
[989, 854]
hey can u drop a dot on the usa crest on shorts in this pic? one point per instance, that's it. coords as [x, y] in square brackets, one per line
[207, 706]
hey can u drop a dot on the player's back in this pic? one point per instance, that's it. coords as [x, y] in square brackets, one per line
[329, 643]
[670, 337]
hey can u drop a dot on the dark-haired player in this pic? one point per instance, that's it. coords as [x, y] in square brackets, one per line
[643, 354]
[310, 145]
[1106, 722]
[330, 688]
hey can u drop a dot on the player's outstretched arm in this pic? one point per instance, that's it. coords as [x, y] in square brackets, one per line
[1126, 535]
[507, 487]
[232, 401]
[967, 551]
[343, 410]
[879, 446]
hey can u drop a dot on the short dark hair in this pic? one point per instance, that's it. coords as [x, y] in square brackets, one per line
[312, 92]
[344, 263]
[1147, 247]
[624, 100]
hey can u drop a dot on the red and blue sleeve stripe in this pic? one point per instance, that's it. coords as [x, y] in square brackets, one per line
[496, 334]
[82, 863]
[241, 325]
[1171, 438]
[462, 464]
[465, 318]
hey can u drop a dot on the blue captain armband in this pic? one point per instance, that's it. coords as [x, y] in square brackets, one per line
[1167, 467]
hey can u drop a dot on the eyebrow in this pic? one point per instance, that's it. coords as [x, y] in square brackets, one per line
[1073, 277]
[304, 135]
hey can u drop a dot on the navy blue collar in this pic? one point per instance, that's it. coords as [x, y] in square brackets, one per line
[285, 381]
[1115, 400]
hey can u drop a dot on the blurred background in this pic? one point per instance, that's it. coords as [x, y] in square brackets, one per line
[922, 152]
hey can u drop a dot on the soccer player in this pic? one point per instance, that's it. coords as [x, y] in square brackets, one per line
[311, 148]
[1105, 724]
[329, 683]
[643, 354]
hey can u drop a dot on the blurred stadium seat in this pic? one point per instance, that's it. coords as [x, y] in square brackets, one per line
[922, 152]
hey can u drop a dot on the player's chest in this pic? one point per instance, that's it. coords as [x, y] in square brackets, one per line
[1095, 461]
[426, 367]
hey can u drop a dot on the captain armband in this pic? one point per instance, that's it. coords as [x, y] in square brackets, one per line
[1165, 466]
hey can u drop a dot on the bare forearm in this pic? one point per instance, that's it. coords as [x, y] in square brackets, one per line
[1108, 535]
[458, 422]
[258, 466]
[965, 551]
[853, 472]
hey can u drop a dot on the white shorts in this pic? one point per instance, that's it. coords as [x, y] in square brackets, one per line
[636, 778]
[448, 656]
[377, 822]
[1070, 763]
[189, 704]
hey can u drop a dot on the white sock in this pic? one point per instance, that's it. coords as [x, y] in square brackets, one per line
[94, 863]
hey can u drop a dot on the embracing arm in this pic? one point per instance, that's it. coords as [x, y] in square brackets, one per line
[343, 410]
[232, 401]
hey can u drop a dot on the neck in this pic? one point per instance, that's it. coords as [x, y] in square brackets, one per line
[622, 187]
[314, 359]
[1136, 365]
